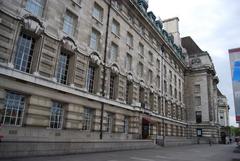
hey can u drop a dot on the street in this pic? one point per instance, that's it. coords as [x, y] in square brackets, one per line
[181, 153]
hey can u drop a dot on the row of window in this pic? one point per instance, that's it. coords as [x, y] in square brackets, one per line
[94, 44]
[70, 20]
[15, 104]
[23, 60]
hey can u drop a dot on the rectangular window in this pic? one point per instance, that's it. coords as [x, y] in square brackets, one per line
[197, 100]
[180, 96]
[165, 86]
[165, 71]
[150, 76]
[109, 122]
[62, 70]
[150, 54]
[179, 84]
[140, 69]
[128, 62]
[35, 7]
[175, 93]
[125, 125]
[69, 23]
[114, 52]
[175, 80]
[170, 90]
[56, 117]
[95, 39]
[158, 82]
[97, 12]
[141, 94]
[24, 53]
[158, 64]
[197, 88]
[128, 92]
[116, 27]
[159, 105]
[87, 119]
[90, 78]
[129, 39]
[198, 116]
[13, 109]
[170, 75]
[112, 86]
[141, 49]
[151, 101]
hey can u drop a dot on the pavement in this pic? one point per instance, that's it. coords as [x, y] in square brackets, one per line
[199, 152]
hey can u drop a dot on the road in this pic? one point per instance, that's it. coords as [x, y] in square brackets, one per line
[181, 153]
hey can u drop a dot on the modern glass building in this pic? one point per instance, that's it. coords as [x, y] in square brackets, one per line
[234, 56]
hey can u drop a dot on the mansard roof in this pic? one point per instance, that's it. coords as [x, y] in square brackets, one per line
[191, 47]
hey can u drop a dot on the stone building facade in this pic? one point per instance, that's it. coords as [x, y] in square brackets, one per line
[54, 62]
[202, 96]
[223, 110]
[88, 70]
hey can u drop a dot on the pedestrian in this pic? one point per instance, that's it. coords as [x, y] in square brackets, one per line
[210, 142]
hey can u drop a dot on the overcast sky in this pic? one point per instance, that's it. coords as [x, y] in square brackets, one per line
[214, 25]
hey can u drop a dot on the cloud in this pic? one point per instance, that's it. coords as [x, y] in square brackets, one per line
[214, 26]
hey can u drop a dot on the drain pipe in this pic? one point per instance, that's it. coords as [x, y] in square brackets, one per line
[104, 70]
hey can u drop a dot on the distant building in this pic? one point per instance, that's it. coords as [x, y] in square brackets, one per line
[223, 109]
[234, 56]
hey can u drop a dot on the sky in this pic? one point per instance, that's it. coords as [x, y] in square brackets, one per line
[214, 25]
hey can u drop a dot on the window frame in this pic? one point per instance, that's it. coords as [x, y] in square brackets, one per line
[60, 117]
[95, 39]
[69, 27]
[115, 28]
[21, 102]
[21, 54]
[90, 78]
[87, 122]
[60, 68]
[97, 12]
[34, 3]
[113, 54]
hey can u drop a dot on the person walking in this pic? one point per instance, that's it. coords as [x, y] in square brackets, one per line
[210, 142]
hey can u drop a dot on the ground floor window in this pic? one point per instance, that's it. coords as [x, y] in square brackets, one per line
[56, 117]
[87, 119]
[13, 109]
[109, 122]
[126, 123]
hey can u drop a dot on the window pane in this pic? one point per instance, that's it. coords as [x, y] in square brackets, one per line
[87, 119]
[115, 27]
[62, 70]
[56, 116]
[14, 108]
[90, 79]
[24, 53]
[112, 86]
[68, 24]
[94, 40]
[114, 52]
[128, 62]
[97, 12]
[35, 7]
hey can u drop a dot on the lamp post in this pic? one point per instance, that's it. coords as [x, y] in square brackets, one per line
[104, 70]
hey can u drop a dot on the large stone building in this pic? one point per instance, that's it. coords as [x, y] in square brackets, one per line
[74, 71]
